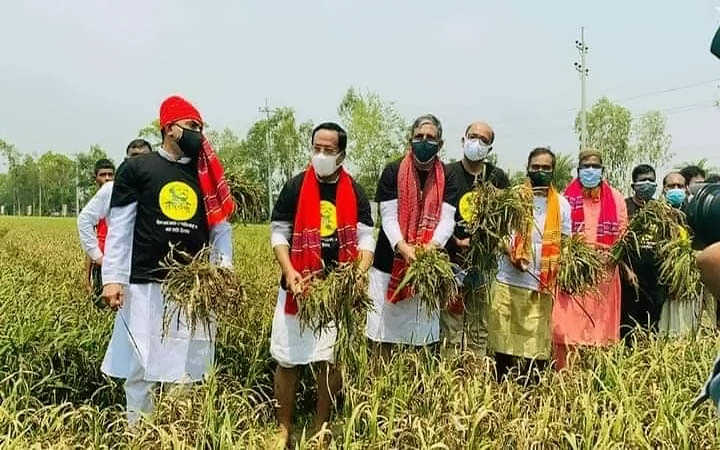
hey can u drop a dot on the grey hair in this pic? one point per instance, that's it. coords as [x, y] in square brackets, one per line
[426, 118]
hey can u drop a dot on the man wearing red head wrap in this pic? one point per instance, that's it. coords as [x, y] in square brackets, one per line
[174, 197]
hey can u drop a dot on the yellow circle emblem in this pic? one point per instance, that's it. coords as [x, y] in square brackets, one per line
[328, 218]
[178, 201]
[466, 206]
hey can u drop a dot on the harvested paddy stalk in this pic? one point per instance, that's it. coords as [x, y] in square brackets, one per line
[340, 299]
[651, 227]
[678, 270]
[430, 278]
[247, 195]
[199, 291]
[582, 266]
[495, 215]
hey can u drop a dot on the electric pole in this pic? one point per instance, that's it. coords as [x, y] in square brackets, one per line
[583, 70]
[266, 109]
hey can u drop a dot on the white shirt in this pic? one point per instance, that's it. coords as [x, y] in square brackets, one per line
[391, 225]
[508, 273]
[117, 262]
[96, 209]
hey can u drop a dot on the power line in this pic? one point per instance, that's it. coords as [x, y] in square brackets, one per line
[665, 91]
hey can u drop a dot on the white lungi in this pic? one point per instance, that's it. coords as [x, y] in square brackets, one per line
[290, 345]
[404, 322]
[178, 357]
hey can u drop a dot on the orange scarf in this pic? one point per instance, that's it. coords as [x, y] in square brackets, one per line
[550, 253]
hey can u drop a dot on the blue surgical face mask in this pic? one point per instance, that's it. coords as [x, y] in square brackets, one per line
[675, 197]
[590, 177]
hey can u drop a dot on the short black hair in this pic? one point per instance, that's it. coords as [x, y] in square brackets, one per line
[642, 169]
[138, 143]
[674, 172]
[103, 164]
[690, 172]
[541, 151]
[712, 178]
[332, 126]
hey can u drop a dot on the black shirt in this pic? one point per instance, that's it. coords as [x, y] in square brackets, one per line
[644, 305]
[466, 183]
[286, 207]
[386, 191]
[170, 210]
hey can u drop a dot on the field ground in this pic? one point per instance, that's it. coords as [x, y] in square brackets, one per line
[53, 395]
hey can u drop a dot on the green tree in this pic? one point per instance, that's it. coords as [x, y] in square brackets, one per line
[287, 139]
[564, 166]
[376, 135]
[151, 133]
[85, 167]
[11, 157]
[608, 126]
[651, 141]
[623, 142]
[57, 181]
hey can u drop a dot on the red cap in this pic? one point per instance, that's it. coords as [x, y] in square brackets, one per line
[177, 108]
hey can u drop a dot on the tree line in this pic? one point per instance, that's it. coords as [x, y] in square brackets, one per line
[275, 148]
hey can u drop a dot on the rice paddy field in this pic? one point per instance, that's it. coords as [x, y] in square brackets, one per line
[53, 395]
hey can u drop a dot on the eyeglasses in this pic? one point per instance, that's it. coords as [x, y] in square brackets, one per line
[590, 166]
[325, 150]
[480, 137]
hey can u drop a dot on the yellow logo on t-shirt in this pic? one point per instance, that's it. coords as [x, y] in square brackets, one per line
[466, 206]
[328, 218]
[178, 201]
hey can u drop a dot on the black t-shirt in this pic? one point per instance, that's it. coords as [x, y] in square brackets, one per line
[644, 304]
[170, 210]
[466, 184]
[286, 207]
[386, 191]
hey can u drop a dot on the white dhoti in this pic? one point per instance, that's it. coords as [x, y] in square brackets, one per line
[291, 345]
[404, 322]
[139, 353]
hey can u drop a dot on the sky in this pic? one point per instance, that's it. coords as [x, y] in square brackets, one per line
[82, 72]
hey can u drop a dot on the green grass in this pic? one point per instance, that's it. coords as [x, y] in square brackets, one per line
[53, 395]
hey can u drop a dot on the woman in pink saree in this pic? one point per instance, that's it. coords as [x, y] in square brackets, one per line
[597, 210]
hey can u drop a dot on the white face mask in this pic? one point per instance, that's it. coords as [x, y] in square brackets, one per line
[324, 165]
[476, 150]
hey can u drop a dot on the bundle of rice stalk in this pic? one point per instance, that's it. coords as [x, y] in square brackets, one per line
[678, 270]
[430, 278]
[655, 224]
[339, 299]
[248, 196]
[495, 215]
[199, 291]
[582, 266]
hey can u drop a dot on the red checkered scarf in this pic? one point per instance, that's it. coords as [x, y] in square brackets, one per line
[219, 204]
[305, 253]
[418, 215]
[608, 228]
